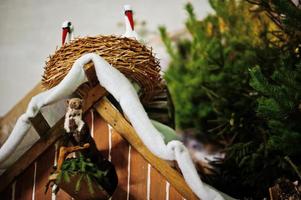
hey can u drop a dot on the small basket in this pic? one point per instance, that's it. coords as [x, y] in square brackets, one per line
[83, 193]
[83, 179]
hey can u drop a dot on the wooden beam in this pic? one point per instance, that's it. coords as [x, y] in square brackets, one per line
[91, 74]
[110, 114]
[45, 142]
[40, 124]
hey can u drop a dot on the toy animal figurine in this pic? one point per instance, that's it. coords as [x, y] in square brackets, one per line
[73, 117]
[78, 134]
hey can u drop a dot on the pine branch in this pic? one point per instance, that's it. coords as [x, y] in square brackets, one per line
[293, 166]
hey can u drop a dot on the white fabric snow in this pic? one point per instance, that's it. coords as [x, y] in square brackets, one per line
[123, 91]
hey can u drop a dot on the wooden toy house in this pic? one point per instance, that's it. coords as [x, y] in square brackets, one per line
[141, 175]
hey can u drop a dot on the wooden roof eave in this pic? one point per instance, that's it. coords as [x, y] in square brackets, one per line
[113, 117]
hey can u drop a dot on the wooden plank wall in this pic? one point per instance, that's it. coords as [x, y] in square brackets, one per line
[137, 179]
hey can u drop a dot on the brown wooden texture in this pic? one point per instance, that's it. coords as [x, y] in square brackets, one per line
[138, 176]
[101, 133]
[174, 194]
[24, 185]
[113, 117]
[40, 124]
[119, 155]
[43, 143]
[44, 168]
[120, 149]
[92, 95]
[62, 195]
[158, 185]
[91, 74]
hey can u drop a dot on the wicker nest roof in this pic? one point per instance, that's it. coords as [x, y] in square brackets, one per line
[132, 58]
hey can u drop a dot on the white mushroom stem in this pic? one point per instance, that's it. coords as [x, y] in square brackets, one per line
[123, 91]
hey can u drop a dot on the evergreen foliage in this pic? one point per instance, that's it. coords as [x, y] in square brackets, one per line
[237, 79]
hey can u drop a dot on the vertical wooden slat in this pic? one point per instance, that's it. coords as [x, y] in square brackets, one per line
[33, 195]
[174, 194]
[24, 184]
[138, 187]
[120, 149]
[158, 186]
[167, 190]
[110, 132]
[44, 168]
[101, 135]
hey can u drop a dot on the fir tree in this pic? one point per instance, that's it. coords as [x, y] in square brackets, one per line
[237, 80]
